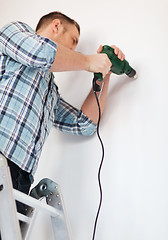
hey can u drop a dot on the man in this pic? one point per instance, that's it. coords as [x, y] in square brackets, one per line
[29, 99]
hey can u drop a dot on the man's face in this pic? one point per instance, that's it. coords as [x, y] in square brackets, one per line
[68, 37]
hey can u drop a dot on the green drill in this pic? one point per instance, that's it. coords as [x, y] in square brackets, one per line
[118, 67]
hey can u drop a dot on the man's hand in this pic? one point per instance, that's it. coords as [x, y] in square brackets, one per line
[98, 63]
[117, 51]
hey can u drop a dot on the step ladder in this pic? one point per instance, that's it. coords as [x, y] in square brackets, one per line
[9, 217]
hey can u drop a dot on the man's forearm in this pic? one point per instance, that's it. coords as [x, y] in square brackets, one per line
[90, 107]
[69, 60]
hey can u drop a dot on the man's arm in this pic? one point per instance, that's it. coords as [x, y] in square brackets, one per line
[71, 120]
[69, 60]
[90, 107]
[32, 50]
[19, 42]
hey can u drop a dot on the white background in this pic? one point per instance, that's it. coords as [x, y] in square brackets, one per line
[134, 127]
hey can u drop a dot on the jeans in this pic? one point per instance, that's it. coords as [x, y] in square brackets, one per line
[21, 181]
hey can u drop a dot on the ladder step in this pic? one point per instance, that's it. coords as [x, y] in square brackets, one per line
[23, 218]
[30, 201]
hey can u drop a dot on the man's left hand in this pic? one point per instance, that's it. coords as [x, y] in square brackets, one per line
[117, 51]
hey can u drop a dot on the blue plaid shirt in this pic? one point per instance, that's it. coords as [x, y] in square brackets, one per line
[29, 99]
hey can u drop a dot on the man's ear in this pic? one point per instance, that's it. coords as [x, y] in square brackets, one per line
[57, 26]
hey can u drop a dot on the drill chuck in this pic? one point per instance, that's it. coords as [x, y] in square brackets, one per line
[132, 74]
[118, 67]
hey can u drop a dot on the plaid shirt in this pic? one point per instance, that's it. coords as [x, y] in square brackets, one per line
[29, 99]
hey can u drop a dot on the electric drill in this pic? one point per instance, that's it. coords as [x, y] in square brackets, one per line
[118, 67]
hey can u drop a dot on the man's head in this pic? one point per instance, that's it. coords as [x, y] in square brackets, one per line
[60, 29]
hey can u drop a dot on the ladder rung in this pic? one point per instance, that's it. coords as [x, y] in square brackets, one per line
[30, 201]
[23, 218]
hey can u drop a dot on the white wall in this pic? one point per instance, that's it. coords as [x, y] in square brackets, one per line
[133, 128]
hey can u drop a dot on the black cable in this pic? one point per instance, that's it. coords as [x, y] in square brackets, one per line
[95, 89]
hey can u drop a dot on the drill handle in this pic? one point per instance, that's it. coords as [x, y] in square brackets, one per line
[109, 51]
[98, 76]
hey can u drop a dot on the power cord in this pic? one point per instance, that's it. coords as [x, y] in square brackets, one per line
[97, 88]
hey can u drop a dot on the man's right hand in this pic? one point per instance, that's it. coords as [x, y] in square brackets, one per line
[98, 63]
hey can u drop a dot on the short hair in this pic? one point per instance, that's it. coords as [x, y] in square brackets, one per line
[46, 19]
